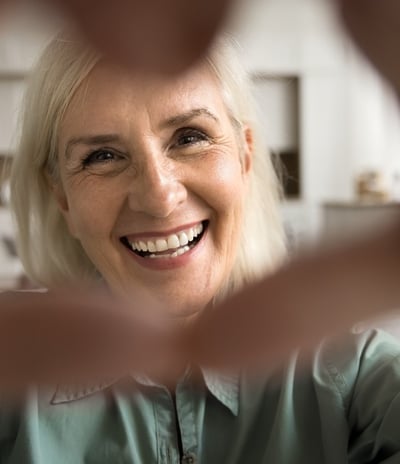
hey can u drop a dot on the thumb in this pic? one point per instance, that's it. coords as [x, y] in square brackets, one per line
[375, 27]
[150, 36]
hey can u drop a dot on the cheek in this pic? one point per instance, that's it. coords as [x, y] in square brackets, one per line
[92, 211]
[225, 185]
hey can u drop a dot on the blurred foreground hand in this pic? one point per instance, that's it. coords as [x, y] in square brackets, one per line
[86, 335]
[168, 36]
[163, 36]
[375, 27]
[80, 335]
[321, 294]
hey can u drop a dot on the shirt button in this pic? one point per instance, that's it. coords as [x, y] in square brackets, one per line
[188, 458]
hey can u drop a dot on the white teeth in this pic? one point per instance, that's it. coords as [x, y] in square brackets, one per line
[161, 245]
[198, 230]
[172, 242]
[183, 239]
[151, 246]
[142, 246]
[175, 254]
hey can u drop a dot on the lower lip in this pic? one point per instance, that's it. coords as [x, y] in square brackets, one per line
[163, 264]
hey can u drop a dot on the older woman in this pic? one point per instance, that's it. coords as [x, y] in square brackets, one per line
[162, 188]
[151, 185]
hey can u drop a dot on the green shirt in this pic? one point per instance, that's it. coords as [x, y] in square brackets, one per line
[343, 406]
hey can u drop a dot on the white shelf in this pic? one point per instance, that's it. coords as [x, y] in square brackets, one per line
[342, 220]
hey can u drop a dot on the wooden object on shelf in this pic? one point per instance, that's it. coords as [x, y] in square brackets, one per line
[371, 187]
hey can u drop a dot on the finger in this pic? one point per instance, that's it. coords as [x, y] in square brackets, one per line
[315, 296]
[76, 335]
[5, 7]
[153, 35]
[375, 27]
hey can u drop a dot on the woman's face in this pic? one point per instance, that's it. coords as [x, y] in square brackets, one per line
[153, 178]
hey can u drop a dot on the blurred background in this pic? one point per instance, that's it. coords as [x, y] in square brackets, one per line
[327, 116]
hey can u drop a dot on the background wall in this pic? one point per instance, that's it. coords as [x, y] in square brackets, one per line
[347, 118]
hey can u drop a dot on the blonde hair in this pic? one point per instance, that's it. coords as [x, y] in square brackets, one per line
[50, 254]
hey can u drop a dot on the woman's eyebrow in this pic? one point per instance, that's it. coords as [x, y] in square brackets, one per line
[182, 118]
[186, 117]
[90, 140]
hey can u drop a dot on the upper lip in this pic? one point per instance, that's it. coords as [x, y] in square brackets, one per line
[154, 234]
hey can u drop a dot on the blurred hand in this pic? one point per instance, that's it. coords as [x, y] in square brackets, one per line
[149, 35]
[321, 294]
[54, 337]
[167, 36]
[79, 336]
[375, 27]
[327, 292]
[84, 335]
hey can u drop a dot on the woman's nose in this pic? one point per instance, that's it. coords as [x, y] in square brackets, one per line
[157, 190]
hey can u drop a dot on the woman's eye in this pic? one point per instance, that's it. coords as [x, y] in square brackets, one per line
[191, 137]
[99, 156]
[105, 161]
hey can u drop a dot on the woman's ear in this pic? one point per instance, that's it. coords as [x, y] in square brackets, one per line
[57, 190]
[248, 149]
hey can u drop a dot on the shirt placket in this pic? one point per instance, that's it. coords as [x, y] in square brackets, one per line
[166, 430]
[187, 417]
[170, 416]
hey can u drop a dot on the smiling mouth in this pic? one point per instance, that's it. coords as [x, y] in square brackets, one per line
[170, 246]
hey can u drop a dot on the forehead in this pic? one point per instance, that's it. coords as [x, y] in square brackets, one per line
[110, 91]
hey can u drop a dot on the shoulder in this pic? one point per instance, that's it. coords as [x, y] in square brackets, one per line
[363, 372]
[359, 361]
[331, 402]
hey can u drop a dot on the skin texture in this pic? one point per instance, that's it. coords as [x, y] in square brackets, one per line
[175, 159]
[313, 296]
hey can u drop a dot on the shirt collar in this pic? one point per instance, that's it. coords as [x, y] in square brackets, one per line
[69, 393]
[223, 386]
